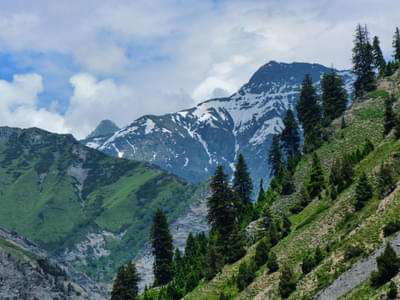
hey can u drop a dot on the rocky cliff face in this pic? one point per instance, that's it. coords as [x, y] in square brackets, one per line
[192, 142]
[29, 272]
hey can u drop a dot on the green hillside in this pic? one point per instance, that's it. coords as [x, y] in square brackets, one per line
[56, 191]
[344, 235]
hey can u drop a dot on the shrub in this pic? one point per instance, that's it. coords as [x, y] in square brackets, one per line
[391, 227]
[392, 293]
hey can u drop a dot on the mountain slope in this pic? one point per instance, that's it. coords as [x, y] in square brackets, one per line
[72, 200]
[28, 272]
[190, 143]
[332, 224]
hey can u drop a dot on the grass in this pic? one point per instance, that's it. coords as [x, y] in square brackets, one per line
[42, 202]
[331, 224]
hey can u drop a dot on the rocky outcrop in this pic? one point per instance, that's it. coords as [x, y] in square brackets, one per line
[29, 272]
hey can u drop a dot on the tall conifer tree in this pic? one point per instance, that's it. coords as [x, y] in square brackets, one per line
[275, 155]
[379, 61]
[316, 181]
[290, 134]
[363, 62]
[242, 183]
[334, 96]
[161, 242]
[396, 45]
[125, 286]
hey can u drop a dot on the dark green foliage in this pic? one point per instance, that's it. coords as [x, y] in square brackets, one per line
[392, 293]
[334, 96]
[390, 118]
[397, 128]
[161, 243]
[341, 175]
[267, 215]
[343, 123]
[391, 227]
[221, 207]
[304, 196]
[125, 285]
[275, 155]
[290, 134]
[246, 275]
[308, 264]
[386, 180]
[379, 61]
[261, 192]
[224, 296]
[316, 181]
[287, 283]
[396, 45]
[242, 183]
[353, 251]
[287, 182]
[360, 153]
[286, 224]
[50, 268]
[236, 249]
[388, 266]
[319, 256]
[190, 247]
[272, 264]
[363, 62]
[309, 114]
[273, 232]
[262, 251]
[213, 260]
[363, 191]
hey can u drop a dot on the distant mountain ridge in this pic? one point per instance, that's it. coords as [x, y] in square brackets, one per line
[105, 127]
[93, 210]
[192, 142]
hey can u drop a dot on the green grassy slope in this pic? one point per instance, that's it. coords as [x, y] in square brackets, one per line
[333, 225]
[55, 191]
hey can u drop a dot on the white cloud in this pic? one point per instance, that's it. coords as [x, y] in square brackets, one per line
[164, 55]
[18, 105]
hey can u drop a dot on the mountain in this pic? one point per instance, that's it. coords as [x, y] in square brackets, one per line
[105, 127]
[192, 142]
[93, 210]
[349, 238]
[29, 272]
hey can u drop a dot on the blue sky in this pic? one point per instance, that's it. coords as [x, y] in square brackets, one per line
[66, 65]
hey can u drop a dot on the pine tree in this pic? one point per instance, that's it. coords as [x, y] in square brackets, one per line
[125, 286]
[290, 134]
[379, 61]
[363, 191]
[262, 251]
[213, 260]
[392, 293]
[272, 263]
[286, 226]
[287, 283]
[242, 183]
[221, 204]
[308, 264]
[396, 45]
[308, 110]
[316, 182]
[287, 182]
[190, 248]
[275, 155]
[386, 181]
[268, 217]
[236, 249]
[334, 96]
[343, 123]
[388, 266]
[261, 192]
[161, 242]
[319, 256]
[363, 62]
[390, 118]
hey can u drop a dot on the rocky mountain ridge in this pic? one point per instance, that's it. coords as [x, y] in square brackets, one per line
[191, 142]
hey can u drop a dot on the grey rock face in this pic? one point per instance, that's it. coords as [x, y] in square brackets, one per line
[105, 127]
[192, 142]
[28, 272]
[358, 273]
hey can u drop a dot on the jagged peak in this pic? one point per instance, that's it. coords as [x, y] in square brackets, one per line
[105, 127]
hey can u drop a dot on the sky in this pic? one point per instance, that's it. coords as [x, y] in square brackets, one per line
[67, 65]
